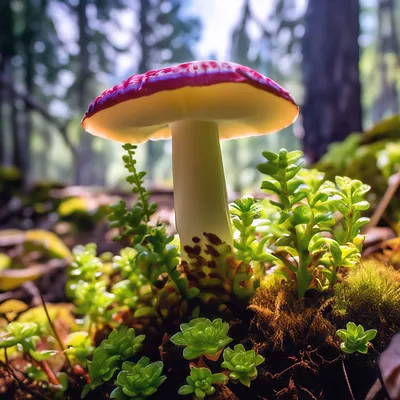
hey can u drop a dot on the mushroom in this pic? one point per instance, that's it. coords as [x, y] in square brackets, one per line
[197, 104]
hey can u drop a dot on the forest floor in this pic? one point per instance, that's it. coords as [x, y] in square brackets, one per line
[41, 214]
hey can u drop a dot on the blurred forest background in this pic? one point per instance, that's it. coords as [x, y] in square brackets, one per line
[340, 60]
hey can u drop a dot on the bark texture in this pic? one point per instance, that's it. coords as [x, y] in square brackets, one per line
[332, 103]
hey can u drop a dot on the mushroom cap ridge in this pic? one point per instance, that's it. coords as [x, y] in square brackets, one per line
[242, 101]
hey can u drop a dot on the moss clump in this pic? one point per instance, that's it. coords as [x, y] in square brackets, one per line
[288, 322]
[370, 296]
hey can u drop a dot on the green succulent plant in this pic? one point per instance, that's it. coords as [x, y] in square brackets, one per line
[125, 263]
[202, 336]
[154, 253]
[137, 381]
[200, 383]
[85, 265]
[24, 335]
[19, 333]
[121, 344]
[79, 347]
[355, 338]
[93, 300]
[372, 158]
[307, 205]
[126, 293]
[242, 364]
[244, 214]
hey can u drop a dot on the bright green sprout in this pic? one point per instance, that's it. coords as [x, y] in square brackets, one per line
[306, 205]
[121, 344]
[88, 292]
[126, 265]
[244, 212]
[200, 383]
[155, 254]
[93, 300]
[355, 338]
[138, 381]
[86, 265]
[126, 293]
[79, 347]
[242, 363]
[24, 335]
[19, 333]
[202, 337]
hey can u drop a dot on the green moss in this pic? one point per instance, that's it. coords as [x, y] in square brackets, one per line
[370, 296]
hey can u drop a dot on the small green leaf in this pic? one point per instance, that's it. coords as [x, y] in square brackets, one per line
[301, 215]
[42, 355]
[185, 389]
[271, 186]
[267, 169]
[355, 338]
[145, 312]
[294, 156]
[370, 334]
[270, 156]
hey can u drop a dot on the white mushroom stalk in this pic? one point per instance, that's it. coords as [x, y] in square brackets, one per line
[200, 195]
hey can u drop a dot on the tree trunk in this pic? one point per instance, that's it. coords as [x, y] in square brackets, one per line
[388, 100]
[332, 103]
[3, 144]
[10, 112]
[83, 173]
[26, 120]
[16, 133]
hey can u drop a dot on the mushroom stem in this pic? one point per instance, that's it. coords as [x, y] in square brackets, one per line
[200, 195]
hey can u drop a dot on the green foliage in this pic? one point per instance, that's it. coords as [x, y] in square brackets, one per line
[86, 265]
[88, 285]
[370, 293]
[351, 205]
[121, 344]
[125, 263]
[126, 293]
[79, 347]
[355, 338]
[306, 205]
[95, 297]
[18, 333]
[202, 336]
[24, 335]
[93, 300]
[133, 222]
[244, 212]
[371, 157]
[138, 380]
[200, 383]
[242, 363]
[154, 253]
